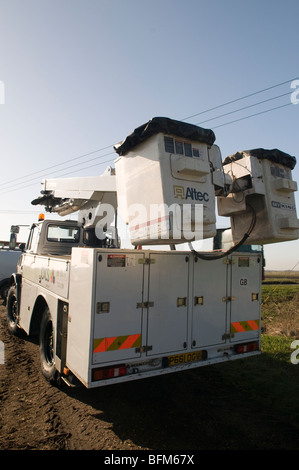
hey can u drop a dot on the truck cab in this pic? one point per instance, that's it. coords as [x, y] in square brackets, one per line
[51, 237]
[44, 262]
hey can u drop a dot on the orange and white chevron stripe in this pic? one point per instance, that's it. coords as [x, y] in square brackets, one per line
[116, 343]
[242, 326]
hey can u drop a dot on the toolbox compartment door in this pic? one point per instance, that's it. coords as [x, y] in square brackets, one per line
[209, 309]
[245, 297]
[167, 303]
[117, 331]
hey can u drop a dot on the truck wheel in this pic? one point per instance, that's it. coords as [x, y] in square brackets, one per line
[12, 311]
[4, 291]
[46, 348]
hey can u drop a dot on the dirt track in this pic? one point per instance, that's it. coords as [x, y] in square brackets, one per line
[186, 411]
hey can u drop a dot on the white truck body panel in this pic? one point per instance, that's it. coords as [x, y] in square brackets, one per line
[138, 308]
[45, 276]
[49, 272]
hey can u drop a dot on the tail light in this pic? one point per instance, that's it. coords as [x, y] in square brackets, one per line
[108, 372]
[247, 347]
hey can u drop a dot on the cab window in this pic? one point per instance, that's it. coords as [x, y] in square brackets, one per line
[63, 233]
[33, 239]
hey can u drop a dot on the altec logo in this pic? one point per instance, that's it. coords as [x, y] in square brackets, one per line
[191, 193]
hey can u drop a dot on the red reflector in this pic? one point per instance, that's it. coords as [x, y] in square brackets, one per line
[248, 347]
[108, 372]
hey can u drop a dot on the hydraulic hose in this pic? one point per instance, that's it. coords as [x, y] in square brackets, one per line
[214, 256]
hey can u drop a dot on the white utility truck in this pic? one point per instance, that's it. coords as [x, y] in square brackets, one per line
[108, 314]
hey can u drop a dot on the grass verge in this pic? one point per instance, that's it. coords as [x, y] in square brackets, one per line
[270, 382]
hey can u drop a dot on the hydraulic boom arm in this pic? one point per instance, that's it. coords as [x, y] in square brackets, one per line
[85, 194]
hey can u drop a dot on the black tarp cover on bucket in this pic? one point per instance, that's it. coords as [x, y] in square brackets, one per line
[167, 126]
[274, 155]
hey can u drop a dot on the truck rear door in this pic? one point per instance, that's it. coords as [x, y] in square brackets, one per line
[209, 309]
[117, 332]
[167, 303]
[245, 297]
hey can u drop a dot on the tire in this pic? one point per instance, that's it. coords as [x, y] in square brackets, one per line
[46, 348]
[12, 311]
[4, 290]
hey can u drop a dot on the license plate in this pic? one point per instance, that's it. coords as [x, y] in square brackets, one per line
[185, 358]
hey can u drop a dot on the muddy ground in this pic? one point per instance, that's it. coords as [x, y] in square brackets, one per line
[192, 410]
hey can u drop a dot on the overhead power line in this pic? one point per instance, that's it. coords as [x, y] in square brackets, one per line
[239, 99]
[6, 190]
[53, 172]
[90, 166]
[295, 265]
[56, 165]
[244, 107]
[252, 115]
[6, 187]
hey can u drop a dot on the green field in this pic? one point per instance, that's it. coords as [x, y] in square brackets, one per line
[269, 383]
[280, 305]
[281, 277]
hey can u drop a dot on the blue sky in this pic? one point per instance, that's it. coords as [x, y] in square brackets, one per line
[80, 75]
